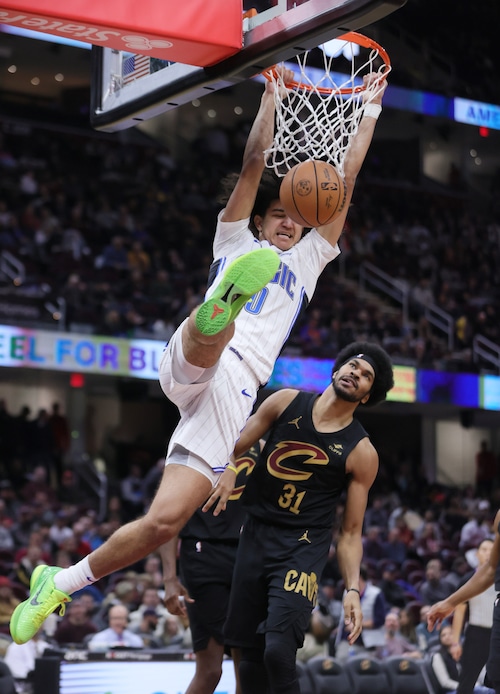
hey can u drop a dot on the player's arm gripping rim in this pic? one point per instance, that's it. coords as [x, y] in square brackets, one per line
[355, 157]
[242, 199]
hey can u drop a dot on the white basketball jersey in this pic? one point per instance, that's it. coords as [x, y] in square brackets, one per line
[264, 324]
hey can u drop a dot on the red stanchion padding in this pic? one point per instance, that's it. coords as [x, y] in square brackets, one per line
[195, 32]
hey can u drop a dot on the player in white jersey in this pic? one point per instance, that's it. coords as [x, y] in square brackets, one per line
[218, 357]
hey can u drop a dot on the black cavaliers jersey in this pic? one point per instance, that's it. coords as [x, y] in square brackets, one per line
[227, 525]
[301, 472]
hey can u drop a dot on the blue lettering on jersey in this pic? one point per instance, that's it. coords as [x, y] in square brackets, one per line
[286, 279]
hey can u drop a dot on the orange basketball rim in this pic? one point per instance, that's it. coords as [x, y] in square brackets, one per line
[350, 37]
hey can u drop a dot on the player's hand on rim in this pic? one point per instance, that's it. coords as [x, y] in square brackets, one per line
[373, 81]
[283, 77]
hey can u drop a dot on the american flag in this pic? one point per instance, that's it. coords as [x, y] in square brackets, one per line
[134, 67]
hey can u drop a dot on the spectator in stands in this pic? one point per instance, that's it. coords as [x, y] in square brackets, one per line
[23, 525]
[486, 470]
[138, 258]
[394, 548]
[173, 633]
[32, 558]
[459, 568]
[59, 427]
[374, 609]
[444, 665]
[8, 602]
[434, 587]
[75, 625]
[147, 628]
[117, 634]
[70, 489]
[61, 528]
[407, 627]
[152, 567]
[377, 514]
[373, 547]
[150, 601]
[132, 492]
[394, 642]
[426, 639]
[114, 255]
[6, 521]
[394, 594]
[477, 528]
[428, 543]
[21, 658]
[39, 481]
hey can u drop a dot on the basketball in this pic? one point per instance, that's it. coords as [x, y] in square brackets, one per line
[313, 193]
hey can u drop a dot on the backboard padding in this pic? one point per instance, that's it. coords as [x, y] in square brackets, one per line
[266, 42]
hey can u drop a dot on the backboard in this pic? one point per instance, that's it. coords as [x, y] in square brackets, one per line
[128, 89]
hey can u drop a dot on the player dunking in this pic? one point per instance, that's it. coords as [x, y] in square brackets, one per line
[217, 359]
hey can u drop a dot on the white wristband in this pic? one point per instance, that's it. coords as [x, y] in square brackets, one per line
[372, 110]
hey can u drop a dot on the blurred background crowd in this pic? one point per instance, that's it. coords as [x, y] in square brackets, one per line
[101, 238]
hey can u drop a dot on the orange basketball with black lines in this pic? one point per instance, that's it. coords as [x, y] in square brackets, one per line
[313, 193]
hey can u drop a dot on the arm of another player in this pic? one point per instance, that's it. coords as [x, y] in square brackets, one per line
[483, 578]
[457, 626]
[176, 594]
[362, 465]
[354, 159]
[255, 428]
[242, 199]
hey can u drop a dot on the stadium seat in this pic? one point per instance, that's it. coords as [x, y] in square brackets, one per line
[367, 675]
[328, 676]
[405, 675]
[7, 682]
[431, 680]
[305, 682]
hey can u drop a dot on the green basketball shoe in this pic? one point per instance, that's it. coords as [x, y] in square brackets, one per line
[44, 598]
[244, 277]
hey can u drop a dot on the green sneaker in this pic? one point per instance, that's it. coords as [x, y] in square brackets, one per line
[244, 277]
[44, 598]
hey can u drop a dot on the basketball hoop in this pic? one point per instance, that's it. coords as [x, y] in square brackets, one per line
[318, 115]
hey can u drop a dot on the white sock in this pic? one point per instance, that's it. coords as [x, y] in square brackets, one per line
[75, 577]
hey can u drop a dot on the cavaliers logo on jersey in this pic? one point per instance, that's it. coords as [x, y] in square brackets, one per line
[296, 453]
[246, 464]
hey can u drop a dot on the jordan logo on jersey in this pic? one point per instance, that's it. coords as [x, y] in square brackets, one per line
[305, 537]
[336, 448]
[296, 421]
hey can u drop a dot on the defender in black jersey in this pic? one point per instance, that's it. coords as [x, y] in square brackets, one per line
[487, 574]
[315, 451]
[208, 546]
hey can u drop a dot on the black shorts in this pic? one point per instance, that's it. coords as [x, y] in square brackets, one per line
[275, 582]
[206, 570]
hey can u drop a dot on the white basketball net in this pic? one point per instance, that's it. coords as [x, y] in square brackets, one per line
[316, 120]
